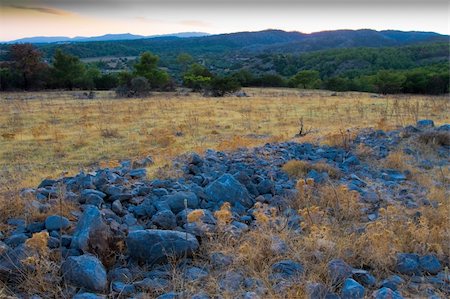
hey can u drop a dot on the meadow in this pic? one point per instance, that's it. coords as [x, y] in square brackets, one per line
[55, 134]
[45, 134]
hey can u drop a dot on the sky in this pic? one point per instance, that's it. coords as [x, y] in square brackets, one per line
[26, 18]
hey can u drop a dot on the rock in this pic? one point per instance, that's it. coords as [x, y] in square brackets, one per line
[278, 246]
[430, 264]
[286, 270]
[265, 186]
[364, 277]
[352, 289]
[91, 220]
[117, 207]
[316, 290]
[425, 123]
[338, 270]
[85, 271]
[407, 263]
[56, 222]
[152, 284]
[392, 282]
[35, 227]
[227, 189]
[231, 281]
[386, 293]
[147, 161]
[393, 175]
[47, 183]
[171, 295]
[195, 273]
[16, 240]
[87, 296]
[220, 260]
[138, 173]
[11, 261]
[123, 288]
[120, 274]
[444, 128]
[165, 219]
[177, 199]
[153, 246]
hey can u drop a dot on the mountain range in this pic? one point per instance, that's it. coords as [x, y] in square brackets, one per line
[106, 37]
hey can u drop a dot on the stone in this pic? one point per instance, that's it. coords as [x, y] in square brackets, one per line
[338, 270]
[231, 281]
[430, 264]
[392, 282]
[393, 175]
[87, 296]
[220, 260]
[120, 274]
[117, 207]
[138, 173]
[407, 263]
[364, 277]
[153, 246]
[90, 220]
[265, 186]
[123, 288]
[142, 163]
[227, 189]
[176, 201]
[352, 289]
[386, 293]
[165, 219]
[425, 123]
[195, 273]
[47, 183]
[286, 270]
[56, 222]
[152, 284]
[85, 271]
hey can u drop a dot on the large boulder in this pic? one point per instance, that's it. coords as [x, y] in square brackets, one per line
[338, 271]
[352, 289]
[154, 245]
[176, 201]
[90, 221]
[85, 271]
[56, 222]
[407, 263]
[227, 189]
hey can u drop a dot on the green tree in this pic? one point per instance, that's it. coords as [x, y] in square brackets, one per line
[184, 59]
[220, 86]
[306, 79]
[197, 77]
[147, 67]
[389, 82]
[67, 70]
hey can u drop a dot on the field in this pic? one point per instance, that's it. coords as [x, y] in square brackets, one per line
[44, 134]
[56, 134]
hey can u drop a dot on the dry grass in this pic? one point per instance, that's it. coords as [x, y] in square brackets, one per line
[47, 134]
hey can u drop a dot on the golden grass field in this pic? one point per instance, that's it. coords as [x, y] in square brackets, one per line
[46, 134]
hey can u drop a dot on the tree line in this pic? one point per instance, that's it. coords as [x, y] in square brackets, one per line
[26, 69]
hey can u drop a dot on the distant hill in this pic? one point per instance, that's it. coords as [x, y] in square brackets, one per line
[106, 37]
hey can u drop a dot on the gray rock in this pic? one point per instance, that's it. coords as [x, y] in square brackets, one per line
[85, 271]
[352, 289]
[286, 270]
[228, 189]
[91, 220]
[386, 293]
[407, 263]
[123, 288]
[153, 246]
[338, 270]
[165, 219]
[177, 199]
[425, 123]
[117, 207]
[364, 277]
[430, 264]
[231, 281]
[87, 296]
[16, 240]
[56, 222]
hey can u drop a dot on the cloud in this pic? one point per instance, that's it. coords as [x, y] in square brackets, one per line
[46, 10]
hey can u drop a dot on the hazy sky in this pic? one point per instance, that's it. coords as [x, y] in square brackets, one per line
[25, 18]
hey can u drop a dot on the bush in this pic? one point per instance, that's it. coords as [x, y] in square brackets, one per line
[220, 86]
[137, 87]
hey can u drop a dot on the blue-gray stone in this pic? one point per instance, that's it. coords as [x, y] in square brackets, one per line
[338, 271]
[392, 282]
[425, 123]
[364, 277]
[123, 288]
[352, 289]
[90, 220]
[87, 296]
[176, 201]
[407, 263]
[227, 189]
[152, 246]
[56, 222]
[85, 271]
[386, 293]
[430, 264]
[165, 219]
[286, 270]
[138, 173]
[16, 239]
